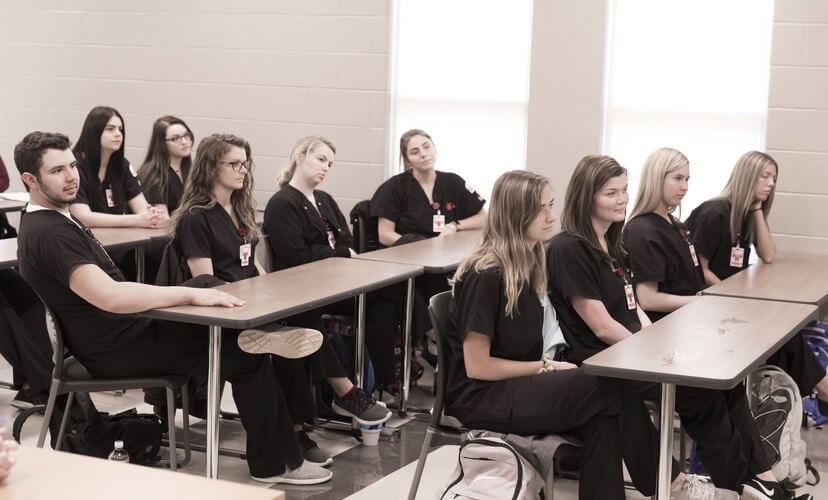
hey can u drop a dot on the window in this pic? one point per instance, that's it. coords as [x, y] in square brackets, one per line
[462, 75]
[688, 75]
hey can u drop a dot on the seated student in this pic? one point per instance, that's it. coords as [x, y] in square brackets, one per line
[742, 210]
[668, 275]
[167, 165]
[305, 224]
[500, 376]
[593, 292]
[67, 266]
[420, 203]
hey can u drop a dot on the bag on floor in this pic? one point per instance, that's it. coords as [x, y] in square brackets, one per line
[777, 410]
[816, 335]
[491, 469]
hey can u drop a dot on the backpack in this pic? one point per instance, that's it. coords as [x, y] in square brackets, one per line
[816, 335]
[491, 469]
[777, 410]
[366, 237]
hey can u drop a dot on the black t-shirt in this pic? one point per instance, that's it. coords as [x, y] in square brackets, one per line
[48, 248]
[401, 199]
[710, 226]
[660, 251]
[479, 305]
[210, 233]
[297, 233]
[172, 198]
[119, 180]
[575, 268]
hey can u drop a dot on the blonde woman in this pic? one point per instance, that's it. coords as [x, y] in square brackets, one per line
[498, 377]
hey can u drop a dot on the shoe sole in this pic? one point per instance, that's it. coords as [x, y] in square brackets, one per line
[345, 413]
[291, 343]
[281, 480]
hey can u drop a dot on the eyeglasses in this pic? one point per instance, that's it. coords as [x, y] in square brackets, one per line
[180, 138]
[237, 165]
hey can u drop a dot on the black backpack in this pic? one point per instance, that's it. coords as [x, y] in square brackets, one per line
[366, 237]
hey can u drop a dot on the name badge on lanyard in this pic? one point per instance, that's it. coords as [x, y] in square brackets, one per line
[693, 254]
[245, 249]
[737, 256]
[110, 201]
[628, 288]
[331, 239]
[438, 222]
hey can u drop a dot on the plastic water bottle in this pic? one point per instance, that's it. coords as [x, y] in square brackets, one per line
[119, 454]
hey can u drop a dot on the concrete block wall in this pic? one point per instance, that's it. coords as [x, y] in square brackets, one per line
[797, 128]
[268, 70]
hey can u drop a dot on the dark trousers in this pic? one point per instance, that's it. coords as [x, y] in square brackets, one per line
[425, 287]
[798, 361]
[24, 339]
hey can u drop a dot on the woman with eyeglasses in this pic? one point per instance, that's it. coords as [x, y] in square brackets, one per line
[165, 169]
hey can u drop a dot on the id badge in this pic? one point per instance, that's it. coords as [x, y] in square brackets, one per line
[737, 256]
[110, 202]
[244, 254]
[438, 222]
[628, 291]
[693, 254]
[331, 240]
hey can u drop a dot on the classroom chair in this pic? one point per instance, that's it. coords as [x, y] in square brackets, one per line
[366, 236]
[540, 450]
[69, 377]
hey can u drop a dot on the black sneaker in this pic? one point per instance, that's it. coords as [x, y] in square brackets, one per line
[361, 407]
[24, 399]
[758, 489]
[311, 451]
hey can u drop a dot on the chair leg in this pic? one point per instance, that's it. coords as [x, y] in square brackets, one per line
[171, 426]
[682, 448]
[550, 482]
[50, 409]
[418, 472]
[63, 421]
[185, 408]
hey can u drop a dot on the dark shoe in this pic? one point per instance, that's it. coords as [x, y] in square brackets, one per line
[24, 400]
[361, 407]
[758, 489]
[823, 406]
[311, 452]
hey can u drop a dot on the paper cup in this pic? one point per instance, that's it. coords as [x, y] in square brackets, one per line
[371, 434]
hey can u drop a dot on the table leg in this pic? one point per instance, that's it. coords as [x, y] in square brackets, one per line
[406, 348]
[213, 402]
[360, 343]
[665, 449]
[139, 263]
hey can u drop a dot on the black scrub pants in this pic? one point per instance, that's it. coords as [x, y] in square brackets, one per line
[24, 339]
[797, 360]
[425, 287]
[170, 348]
[589, 407]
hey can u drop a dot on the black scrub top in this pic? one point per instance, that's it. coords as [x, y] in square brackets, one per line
[50, 246]
[211, 233]
[660, 251]
[172, 198]
[710, 226]
[402, 200]
[119, 178]
[298, 233]
[575, 268]
[479, 305]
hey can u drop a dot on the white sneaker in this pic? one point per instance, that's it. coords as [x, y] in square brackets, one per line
[307, 473]
[694, 487]
[285, 341]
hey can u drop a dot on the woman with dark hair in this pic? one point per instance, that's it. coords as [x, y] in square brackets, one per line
[167, 165]
[108, 194]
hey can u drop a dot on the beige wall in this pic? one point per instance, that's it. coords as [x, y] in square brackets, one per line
[269, 70]
[797, 134]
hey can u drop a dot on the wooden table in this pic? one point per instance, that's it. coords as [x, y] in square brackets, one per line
[8, 253]
[138, 237]
[11, 205]
[436, 255]
[275, 296]
[790, 278]
[43, 473]
[712, 342]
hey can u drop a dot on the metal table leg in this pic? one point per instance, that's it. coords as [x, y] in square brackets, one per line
[406, 348]
[360, 343]
[139, 263]
[665, 449]
[213, 402]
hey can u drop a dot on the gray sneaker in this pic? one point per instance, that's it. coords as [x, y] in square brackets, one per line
[285, 341]
[311, 451]
[694, 487]
[360, 406]
[307, 473]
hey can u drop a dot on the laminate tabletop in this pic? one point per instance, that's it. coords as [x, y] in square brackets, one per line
[436, 255]
[111, 237]
[11, 205]
[8, 253]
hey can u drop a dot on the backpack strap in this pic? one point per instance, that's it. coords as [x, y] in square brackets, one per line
[489, 442]
[17, 427]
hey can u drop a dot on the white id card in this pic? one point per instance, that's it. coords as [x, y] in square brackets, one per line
[737, 256]
[110, 202]
[693, 254]
[331, 239]
[628, 291]
[244, 254]
[438, 222]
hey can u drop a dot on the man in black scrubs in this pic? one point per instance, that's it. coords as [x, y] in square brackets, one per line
[61, 259]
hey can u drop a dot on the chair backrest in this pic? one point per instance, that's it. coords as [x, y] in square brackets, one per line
[58, 348]
[263, 255]
[438, 311]
[366, 235]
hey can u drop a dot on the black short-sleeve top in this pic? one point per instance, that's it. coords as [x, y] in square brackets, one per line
[575, 268]
[401, 199]
[710, 226]
[172, 198]
[211, 233]
[113, 194]
[660, 251]
[479, 305]
[298, 233]
[50, 246]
